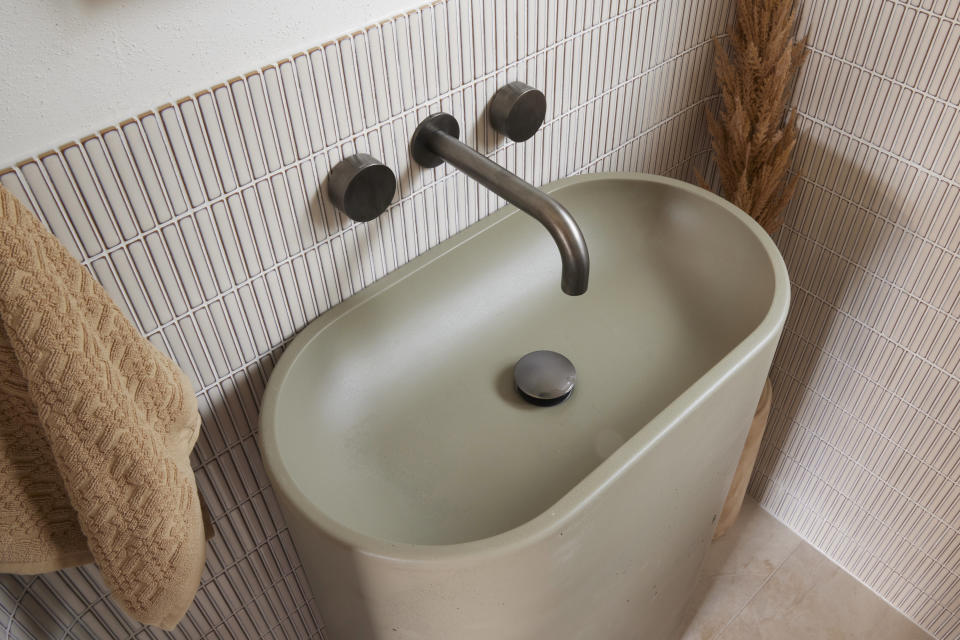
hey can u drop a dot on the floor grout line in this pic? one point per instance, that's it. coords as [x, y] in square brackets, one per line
[753, 597]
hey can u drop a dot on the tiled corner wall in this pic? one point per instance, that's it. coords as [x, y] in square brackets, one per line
[207, 222]
[862, 453]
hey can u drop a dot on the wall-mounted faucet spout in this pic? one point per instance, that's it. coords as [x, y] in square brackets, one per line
[435, 141]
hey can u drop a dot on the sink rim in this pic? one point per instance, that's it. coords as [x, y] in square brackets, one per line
[550, 521]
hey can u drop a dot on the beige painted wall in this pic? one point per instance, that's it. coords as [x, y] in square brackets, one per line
[62, 58]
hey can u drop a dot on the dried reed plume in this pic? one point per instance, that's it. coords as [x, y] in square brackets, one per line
[751, 138]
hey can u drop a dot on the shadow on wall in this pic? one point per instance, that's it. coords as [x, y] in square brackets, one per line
[827, 234]
[17, 596]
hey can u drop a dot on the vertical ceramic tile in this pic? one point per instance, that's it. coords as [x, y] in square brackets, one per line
[46, 206]
[236, 153]
[341, 113]
[349, 75]
[160, 153]
[296, 107]
[182, 265]
[308, 100]
[366, 90]
[144, 164]
[200, 148]
[216, 140]
[276, 104]
[266, 199]
[218, 231]
[431, 51]
[263, 120]
[67, 200]
[304, 213]
[252, 231]
[91, 195]
[128, 178]
[250, 135]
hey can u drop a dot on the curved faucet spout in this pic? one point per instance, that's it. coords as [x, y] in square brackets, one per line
[435, 141]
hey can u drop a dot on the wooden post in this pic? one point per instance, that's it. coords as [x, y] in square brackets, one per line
[738, 488]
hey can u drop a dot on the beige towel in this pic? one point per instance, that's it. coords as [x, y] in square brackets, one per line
[96, 428]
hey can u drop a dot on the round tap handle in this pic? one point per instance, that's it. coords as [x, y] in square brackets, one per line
[361, 186]
[517, 110]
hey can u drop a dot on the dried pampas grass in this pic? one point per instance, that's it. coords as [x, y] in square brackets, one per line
[752, 138]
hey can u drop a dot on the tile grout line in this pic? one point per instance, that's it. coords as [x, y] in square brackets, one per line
[720, 633]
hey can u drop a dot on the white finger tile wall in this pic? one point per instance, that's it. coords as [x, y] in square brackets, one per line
[862, 454]
[208, 223]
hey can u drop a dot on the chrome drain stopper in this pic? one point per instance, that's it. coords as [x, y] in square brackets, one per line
[544, 377]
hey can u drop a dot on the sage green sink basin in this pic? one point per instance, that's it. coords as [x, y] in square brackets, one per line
[428, 500]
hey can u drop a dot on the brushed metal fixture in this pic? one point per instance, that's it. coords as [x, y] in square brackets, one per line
[361, 186]
[544, 377]
[435, 141]
[517, 110]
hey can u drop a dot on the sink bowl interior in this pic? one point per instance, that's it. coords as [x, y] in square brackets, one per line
[396, 415]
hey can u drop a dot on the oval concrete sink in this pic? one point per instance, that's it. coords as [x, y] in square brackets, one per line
[391, 427]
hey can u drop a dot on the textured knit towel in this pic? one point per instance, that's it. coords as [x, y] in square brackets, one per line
[96, 428]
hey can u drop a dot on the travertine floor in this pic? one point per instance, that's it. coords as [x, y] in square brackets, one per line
[761, 581]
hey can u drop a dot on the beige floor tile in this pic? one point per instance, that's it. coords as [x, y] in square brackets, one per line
[810, 598]
[757, 544]
[716, 600]
[735, 568]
